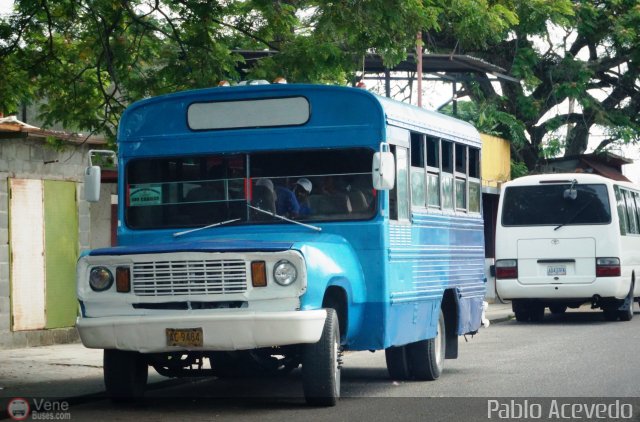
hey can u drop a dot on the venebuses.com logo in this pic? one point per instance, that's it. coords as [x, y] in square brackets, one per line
[19, 409]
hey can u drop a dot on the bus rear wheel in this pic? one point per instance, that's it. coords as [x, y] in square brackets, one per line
[321, 364]
[125, 374]
[397, 362]
[426, 357]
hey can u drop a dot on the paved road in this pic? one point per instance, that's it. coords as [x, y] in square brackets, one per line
[575, 356]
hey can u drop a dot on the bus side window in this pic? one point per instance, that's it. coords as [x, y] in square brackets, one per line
[447, 174]
[461, 177]
[399, 195]
[474, 180]
[418, 188]
[433, 172]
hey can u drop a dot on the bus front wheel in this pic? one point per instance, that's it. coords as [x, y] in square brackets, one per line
[321, 363]
[426, 357]
[125, 374]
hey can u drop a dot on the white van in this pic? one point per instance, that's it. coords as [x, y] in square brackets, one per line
[563, 240]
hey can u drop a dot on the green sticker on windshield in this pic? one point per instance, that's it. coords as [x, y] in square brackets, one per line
[144, 195]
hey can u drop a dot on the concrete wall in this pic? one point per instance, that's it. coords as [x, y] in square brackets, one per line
[33, 159]
[101, 217]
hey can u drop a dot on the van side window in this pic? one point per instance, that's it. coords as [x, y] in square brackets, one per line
[622, 210]
[632, 223]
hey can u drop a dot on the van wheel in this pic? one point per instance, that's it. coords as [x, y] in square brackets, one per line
[125, 374]
[521, 309]
[321, 363]
[397, 362]
[610, 314]
[558, 309]
[426, 357]
[537, 312]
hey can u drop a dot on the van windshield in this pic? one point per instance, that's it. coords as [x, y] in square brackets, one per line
[547, 204]
[196, 191]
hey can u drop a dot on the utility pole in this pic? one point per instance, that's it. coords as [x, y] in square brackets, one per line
[419, 65]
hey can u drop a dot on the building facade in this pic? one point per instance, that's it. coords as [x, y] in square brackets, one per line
[44, 224]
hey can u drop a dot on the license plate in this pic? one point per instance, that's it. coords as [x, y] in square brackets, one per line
[556, 270]
[184, 337]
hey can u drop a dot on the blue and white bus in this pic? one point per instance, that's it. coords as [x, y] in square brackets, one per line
[264, 227]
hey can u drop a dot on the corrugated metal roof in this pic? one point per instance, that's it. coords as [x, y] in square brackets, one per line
[12, 128]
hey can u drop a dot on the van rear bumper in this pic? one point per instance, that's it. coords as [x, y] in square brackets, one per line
[609, 287]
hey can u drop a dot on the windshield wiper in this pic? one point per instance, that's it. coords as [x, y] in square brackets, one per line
[574, 216]
[273, 214]
[205, 227]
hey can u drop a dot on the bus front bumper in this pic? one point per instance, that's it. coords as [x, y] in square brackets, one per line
[237, 331]
[609, 287]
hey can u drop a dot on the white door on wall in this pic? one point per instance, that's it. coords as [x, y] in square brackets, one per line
[26, 228]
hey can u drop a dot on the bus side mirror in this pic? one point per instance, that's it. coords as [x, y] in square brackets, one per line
[383, 170]
[92, 183]
[92, 174]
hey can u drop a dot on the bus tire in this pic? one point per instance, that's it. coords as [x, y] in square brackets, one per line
[125, 374]
[397, 362]
[426, 357]
[321, 364]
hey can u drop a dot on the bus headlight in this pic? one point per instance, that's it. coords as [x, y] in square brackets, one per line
[100, 279]
[284, 272]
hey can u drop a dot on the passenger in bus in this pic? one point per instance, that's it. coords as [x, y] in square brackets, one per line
[294, 202]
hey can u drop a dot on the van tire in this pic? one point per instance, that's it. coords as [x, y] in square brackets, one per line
[321, 363]
[426, 357]
[521, 310]
[558, 309]
[536, 312]
[125, 374]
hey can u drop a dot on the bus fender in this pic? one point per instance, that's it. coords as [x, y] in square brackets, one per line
[332, 269]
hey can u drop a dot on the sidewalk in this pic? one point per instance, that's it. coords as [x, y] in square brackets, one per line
[72, 371]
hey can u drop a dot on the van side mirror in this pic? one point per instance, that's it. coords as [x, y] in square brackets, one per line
[383, 170]
[92, 175]
[92, 183]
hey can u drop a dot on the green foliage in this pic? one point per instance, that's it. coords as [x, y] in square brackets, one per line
[489, 119]
[85, 61]
[90, 59]
[518, 169]
[580, 53]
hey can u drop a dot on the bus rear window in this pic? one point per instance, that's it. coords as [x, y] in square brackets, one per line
[548, 204]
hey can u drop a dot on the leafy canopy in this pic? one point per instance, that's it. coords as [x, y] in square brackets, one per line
[84, 61]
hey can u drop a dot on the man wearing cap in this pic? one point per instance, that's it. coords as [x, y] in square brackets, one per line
[293, 203]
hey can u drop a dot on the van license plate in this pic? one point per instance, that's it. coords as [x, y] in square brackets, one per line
[556, 270]
[187, 337]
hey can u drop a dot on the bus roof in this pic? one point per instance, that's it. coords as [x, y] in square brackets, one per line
[329, 108]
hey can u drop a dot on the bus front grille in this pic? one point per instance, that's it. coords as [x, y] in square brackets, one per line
[197, 277]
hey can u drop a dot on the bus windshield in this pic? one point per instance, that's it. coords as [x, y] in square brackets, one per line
[548, 204]
[192, 191]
